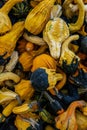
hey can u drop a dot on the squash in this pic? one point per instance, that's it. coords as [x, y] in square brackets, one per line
[9, 40]
[5, 22]
[54, 33]
[26, 58]
[24, 89]
[21, 124]
[66, 53]
[44, 79]
[43, 60]
[81, 121]
[38, 17]
[7, 95]
[67, 119]
[26, 107]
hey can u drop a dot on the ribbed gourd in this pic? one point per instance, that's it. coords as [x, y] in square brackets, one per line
[38, 17]
[5, 22]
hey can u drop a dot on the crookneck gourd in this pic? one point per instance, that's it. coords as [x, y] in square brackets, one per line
[67, 56]
[5, 22]
[67, 119]
[38, 17]
[9, 40]
[78, 24]
[55, 32]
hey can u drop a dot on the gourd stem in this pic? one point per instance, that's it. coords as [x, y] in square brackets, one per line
[8, 6]
[48, 97]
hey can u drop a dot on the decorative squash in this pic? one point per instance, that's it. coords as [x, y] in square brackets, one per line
[75, 26]
[67, 54]
[29, 46]
[21, 10]
[9, 40]
[81, 121]
[21, 46]
[43, 60]
[26, 107]
[24, 89]
[21, 124]
[38, 17]
[44, 79]
[67, 119]
[7, 95]
[26, 58]
[55, 32]
[5, 22]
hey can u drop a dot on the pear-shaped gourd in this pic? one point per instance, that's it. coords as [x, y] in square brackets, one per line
[9, 40]
[38, 17]
[5, 22]
[55, 32]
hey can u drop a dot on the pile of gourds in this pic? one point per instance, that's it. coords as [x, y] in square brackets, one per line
[43, 65]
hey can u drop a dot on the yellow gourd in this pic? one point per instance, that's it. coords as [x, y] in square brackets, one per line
[9, 40]
[43, 60]
[38, 17]
[5, 22]
[24, 89]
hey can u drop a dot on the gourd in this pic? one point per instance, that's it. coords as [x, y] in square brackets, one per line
[54, 33]
[81, 121]
[26, 107]
[26, 58]
[66, 53]
[67, 119]
[67, 10]
[20, 123]
[38, 17]
[44, 79]
[5, 22]
[9, 40]
[7, 95]
[24, 89]
[21, 10]
[43, 60]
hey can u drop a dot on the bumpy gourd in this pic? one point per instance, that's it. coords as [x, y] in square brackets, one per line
[9, 40]
[5, 22]
[38, 17]
[55, 32]
[66, 53]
